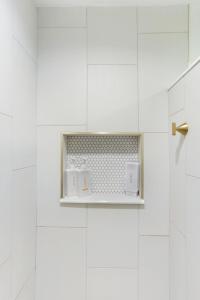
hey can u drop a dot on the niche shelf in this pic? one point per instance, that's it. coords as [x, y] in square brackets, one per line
[106, 155]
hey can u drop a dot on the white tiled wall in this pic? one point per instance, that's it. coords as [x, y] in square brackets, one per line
[112, 284]
[154, 268]
[5, 184]
[112, 243]
[62, 76]
[61, 17]
[24, 224]
[112, 98]
[177, 173]
[192, 106]
[178, 265]
[92, 77]
[24, 25]
[192, 236]
[163, 19]
[17, 152]
[112, 36]
[184, 189]
[28, 292]
[61, 263]
[157, 54]
[5, 290]
[50, 213]
[194, 36]
[23, 108]
[154, 217]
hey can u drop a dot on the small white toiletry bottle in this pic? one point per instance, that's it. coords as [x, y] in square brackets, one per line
[132, 179]
[71, 184]
[84, 180]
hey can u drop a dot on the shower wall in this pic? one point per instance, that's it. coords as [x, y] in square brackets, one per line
[194, 31]
[185, 188]
[106, 69]
[18, 45]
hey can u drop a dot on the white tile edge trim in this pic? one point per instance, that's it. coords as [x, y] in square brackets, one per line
[191, 66]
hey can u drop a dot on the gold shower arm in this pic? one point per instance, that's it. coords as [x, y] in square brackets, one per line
[183, 128]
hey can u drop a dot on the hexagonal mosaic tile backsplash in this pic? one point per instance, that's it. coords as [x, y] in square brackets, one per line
[106, 157]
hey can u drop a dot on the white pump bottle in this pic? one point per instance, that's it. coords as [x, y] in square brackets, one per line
[71, 179]
[84, 180]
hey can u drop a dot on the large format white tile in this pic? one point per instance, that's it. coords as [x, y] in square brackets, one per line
[24, 108]
[163, 19]
[50, 212]
[178, 270]
[24, 19]
[5, 271]
[24, 227]
[194, 37]
[28, 291]
[154, 113]
[154, 216]
[61, 17]
[5, 56]
[192, 117]
[5, 186]
[62, 76]
[112, 36]
[154, 268]
[177, 97]
[193, 238]
[112, 284]
[112, 237]
[60, 264]
[177, 175]
[112, 98]
[162, 57]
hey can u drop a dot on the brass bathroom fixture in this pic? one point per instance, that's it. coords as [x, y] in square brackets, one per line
[183, 128]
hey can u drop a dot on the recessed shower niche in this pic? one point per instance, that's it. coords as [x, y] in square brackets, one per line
[100, 162]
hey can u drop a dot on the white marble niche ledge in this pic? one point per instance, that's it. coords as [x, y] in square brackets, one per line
[103, 198]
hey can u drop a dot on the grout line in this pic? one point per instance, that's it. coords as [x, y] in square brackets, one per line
[112, 64]
[79, 125]
[189, 37]
[176, 112]
[118, 268]
[169, 209]
[5, 261]
[169, 264]
[154, 235]
[173, 225]
[87, 81]
[61, 125]
[87, 119]
[138, 82]
[86, 254]
[138, 211]
[62, 27]
[184, 74]
[61, 227]
[34, 60]
[27, 167]
[86, 17]
[6, 115]
[25, 283]
[36, 227]
[193, 176]
[149, 33]
[155, 132]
